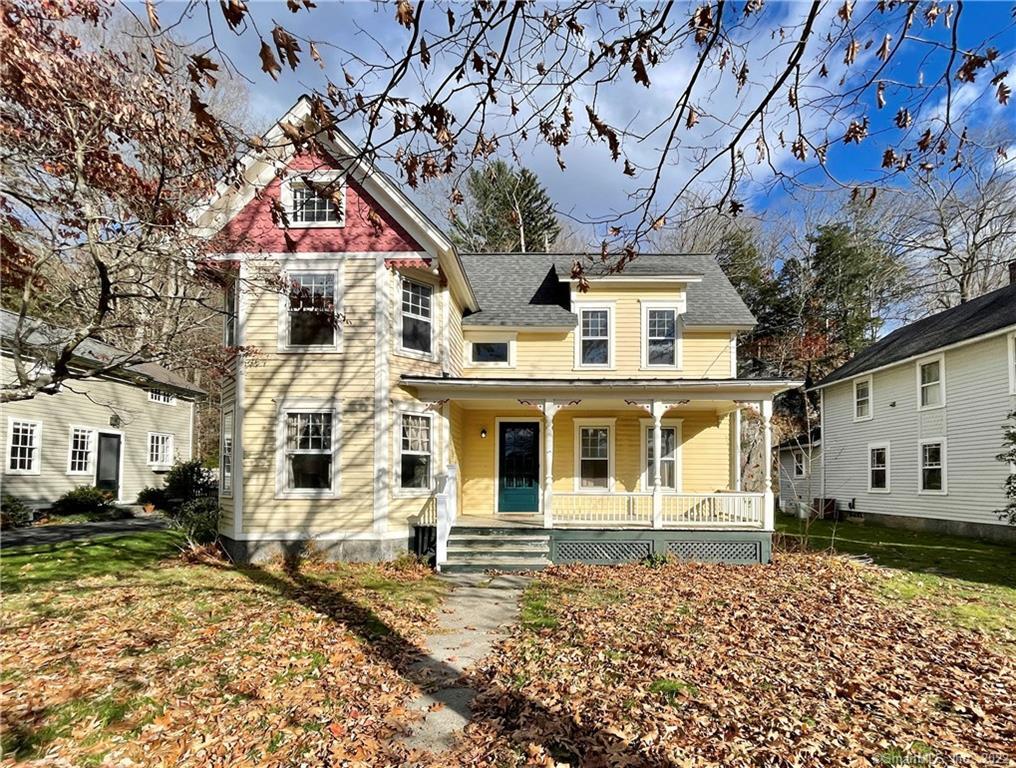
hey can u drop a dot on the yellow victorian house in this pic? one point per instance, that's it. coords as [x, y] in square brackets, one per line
[484, 406]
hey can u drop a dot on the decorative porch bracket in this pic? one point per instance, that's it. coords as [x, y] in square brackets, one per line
[548, 408]
[656, 409]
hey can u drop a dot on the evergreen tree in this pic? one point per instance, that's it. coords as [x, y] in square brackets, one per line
[506, 210]
[1008, 457]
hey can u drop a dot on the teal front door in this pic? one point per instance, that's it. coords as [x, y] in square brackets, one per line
[518, 467]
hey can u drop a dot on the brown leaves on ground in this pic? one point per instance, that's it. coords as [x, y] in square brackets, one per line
[204, 665]
[800, 663]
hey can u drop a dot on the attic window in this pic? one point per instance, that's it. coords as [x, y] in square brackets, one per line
[306, 207]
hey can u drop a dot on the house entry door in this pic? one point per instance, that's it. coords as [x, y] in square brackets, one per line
[518, 466]
[107, 466]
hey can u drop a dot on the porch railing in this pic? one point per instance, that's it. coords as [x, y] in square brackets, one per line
[741, 510]
[603, 508]
[446, 510]
[677, 510]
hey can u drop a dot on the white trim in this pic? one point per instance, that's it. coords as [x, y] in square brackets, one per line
[611, 424]
[920, 466]
[229, 410]
[297, 256]
[306, 405]
[382, 396]
[1011, 345]
[794, 454]
[473, 328]
[733, 355]
[497, 460]
[392, 535]
[332, 266]
[317, 176]
[645, 431]
[123, 451]
[582, 306]
[928, 353]
[677, 307]
[92, 443]
[415, 353]
[871, 398]
[36, 447]
[238, 403]
[170, 450]
[821, 453]
[888, 467]
[402, 409]
[487, 338]
[920, 363]
[154, 393]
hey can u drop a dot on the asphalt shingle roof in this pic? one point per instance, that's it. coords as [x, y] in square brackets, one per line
[990, 312]
[531, 289]
[42, 335]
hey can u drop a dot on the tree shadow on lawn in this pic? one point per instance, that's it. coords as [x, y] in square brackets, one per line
[558, 733]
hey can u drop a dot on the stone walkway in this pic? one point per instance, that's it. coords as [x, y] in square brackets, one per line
[477, 612]
[52, 534]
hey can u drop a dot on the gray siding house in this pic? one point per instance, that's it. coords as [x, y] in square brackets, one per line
[800, 471]
[912, 425]
[120, 430]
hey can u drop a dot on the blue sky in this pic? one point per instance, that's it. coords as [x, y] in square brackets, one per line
[592, 184]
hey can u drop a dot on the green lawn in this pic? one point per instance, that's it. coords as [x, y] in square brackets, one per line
[969, 582]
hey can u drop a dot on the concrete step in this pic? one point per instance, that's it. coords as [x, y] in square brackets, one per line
[509, 565]
[492, 542]
[480, 530]
[459, 554]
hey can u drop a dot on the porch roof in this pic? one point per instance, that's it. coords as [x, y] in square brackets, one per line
[536, 388]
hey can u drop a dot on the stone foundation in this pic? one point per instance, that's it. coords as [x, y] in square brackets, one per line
[347, 550]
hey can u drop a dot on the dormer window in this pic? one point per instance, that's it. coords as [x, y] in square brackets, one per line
[306, 203]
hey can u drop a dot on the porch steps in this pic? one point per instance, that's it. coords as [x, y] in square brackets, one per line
[502, 549]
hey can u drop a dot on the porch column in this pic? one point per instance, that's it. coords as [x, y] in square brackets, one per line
[768, 510]
[656, 410]
[549, 409]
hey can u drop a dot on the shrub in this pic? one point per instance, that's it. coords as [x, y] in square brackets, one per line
[656, 560]
[154, 496]
[198, 519]
[14, 513]
[187, 481]
[84, 500]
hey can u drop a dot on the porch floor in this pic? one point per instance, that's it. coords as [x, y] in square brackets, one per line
[505, 521]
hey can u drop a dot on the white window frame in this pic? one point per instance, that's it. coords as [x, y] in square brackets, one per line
[231, 326]
[36, 467]
[678, 310]
[226, 490]
[888, 467]
[492, 338]
[415, 353]
[920, 467]
[940, 359]
[399, 491]
[584, 306]
[646, 429]
[611, 426]
[1011, 342]
[322, 177]
[92, 433]
[161, 396]
[303, 268]
[170, 449]
[871, 398]
[334, 407]
[802, 469]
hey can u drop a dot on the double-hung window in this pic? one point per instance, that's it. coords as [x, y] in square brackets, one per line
[932, 466]
[799, 464]
[307, 455]
[878, 467]
[415, 451]
[416, 318]
[594, 456]
[862, 399]
[930, 392]
[312, 316]
[160, 449]
[661, 337]
[79, 458]
[594, 337]
[24, 445]
[668, 457]
[226, 457]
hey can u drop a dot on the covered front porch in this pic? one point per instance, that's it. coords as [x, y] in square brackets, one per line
[607, 456]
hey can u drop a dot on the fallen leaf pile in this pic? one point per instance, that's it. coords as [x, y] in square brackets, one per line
[801, 663]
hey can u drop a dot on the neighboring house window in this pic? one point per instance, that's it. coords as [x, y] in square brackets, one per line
[878, 467]
[929, 384]
[668, 457]
[226, 459]
[24, 443]
[661, 344]
[306, 207]
[161, 396]
[309, 455]
[594, 457]
[415, 451]
[594, 337]
[79, 460]
[160, 449]
[312, 315]
[231, 313]
[933, 466]
[862, 399]
[799, 465]
[417, 310]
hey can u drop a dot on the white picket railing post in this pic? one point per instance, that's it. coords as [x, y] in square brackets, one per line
[446, 503]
